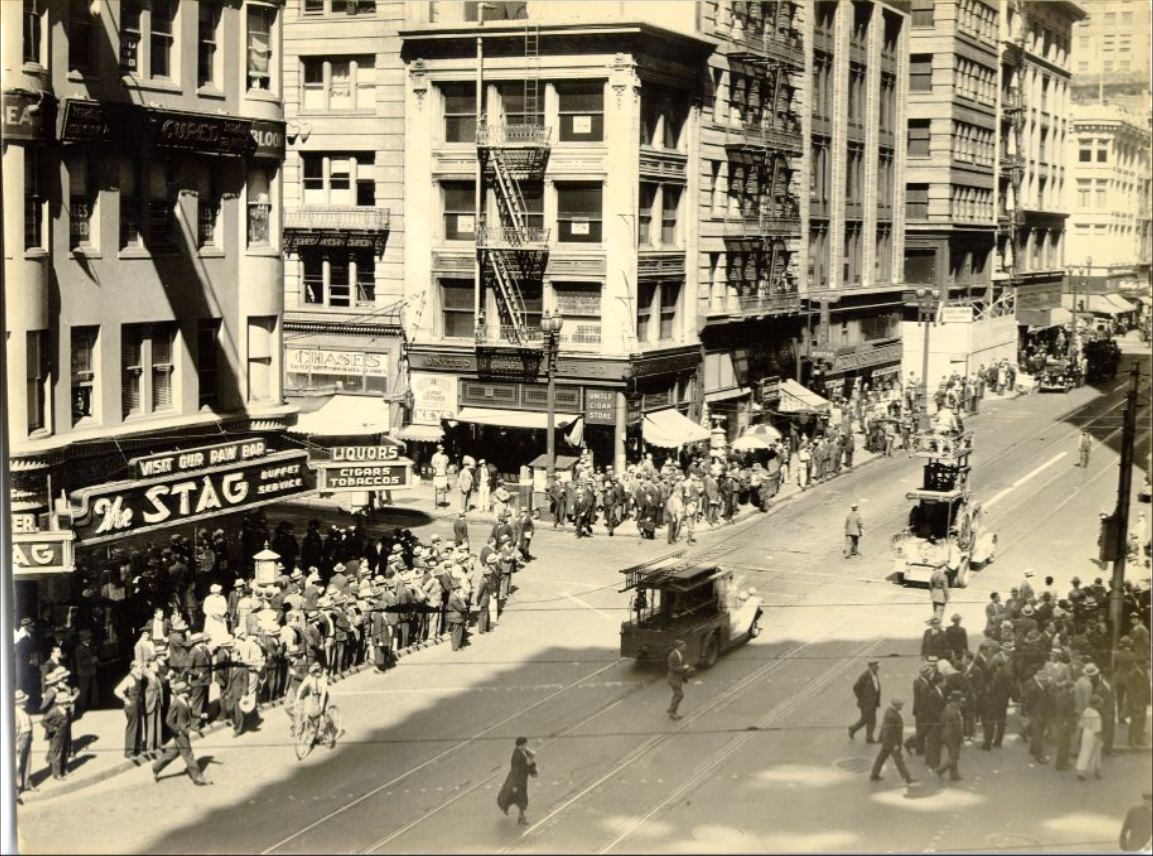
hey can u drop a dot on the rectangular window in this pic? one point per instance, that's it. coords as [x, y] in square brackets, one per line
[579, 303]
[131, 370]
[207, 207]
[521, 103]
[33, 30]
[313, 7]
[208, 363]
[923, 13]
[160, 38]
[646, 298]
[130, 31]
[339, 83]
[259, 207]
[33, 200]
[206, 37]
[918, 138]
[37, 371]
[163, 366]
[365, 264]
[161, 225]
[648, 197]
[81, 201]
[1102, 151]
[261, 336]
[131, 228]
[459, 112]
[339, 278]
[580, 110]
[1083, 193]
[917, 201]
[670, 302]
[147, 368]
[921, 73]
[365, 179]
[579, 212]
[260, 24]
[459, 210]
[80, 35]
[457, 310]
[669, 211]
[312, 275]
[83, 372]
[1085, 153]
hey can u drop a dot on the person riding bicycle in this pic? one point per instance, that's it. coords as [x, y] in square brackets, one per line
[311, 697]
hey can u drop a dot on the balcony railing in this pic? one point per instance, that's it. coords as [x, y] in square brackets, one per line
[507, 334]
[323, 218]
[748, 305]
[512, 135]
[510, 237]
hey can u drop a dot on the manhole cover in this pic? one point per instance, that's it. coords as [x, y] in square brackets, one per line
[1006, 840]
[716, 833]
[853, 765]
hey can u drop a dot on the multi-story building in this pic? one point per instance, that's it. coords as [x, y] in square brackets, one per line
[950, 191]
[1111, 52]
[1109, 239]
[1035, 41]
[343, 224]
[143, 279]
[637, 169]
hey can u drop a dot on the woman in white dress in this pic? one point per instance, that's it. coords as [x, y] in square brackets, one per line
[215, 616]
[1089, 759]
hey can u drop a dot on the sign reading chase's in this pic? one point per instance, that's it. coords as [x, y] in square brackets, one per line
[109, 511]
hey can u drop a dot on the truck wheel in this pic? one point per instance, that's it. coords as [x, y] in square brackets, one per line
[710, 652]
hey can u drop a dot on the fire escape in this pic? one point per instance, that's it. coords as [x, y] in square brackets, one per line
[1011, 221]
[513, 246]
[765, 55]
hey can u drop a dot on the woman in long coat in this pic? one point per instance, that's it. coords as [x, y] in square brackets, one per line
[514, 791]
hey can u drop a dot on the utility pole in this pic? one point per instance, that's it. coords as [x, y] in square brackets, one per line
[1121, 513]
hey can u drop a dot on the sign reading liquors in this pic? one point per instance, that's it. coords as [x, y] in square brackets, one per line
[110, 511]
[196, 459]
[365, 454]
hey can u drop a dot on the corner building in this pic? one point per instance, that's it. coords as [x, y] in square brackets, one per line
[641, 170]
[141, 161]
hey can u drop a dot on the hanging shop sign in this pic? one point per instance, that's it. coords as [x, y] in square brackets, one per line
[600, 406]
[109, 511]
[28, 116]
[384, 475]
[197, 459]
[43, 553]
[344, 363]
[770, 390]
[434, 398]
[956, 314]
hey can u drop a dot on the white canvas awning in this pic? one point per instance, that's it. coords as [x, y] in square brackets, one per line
[671, 429]
[345, 415]
[797, 399]
[512, 418]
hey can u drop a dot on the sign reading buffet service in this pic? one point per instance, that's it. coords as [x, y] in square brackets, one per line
[187, 486]
[361, 468]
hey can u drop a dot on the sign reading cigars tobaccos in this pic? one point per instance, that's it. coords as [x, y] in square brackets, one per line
[358, 468]
[109, 511]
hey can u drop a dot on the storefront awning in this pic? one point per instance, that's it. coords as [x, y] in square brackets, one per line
[512, 418]
[671, 429]
[727, 394]
[1102, 304]
[421, 433]
[797, 399]
[1041, 319]
[346, 415]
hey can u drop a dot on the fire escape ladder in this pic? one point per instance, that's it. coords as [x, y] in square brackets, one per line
[509, 194]
[532, 106]
[508, 289]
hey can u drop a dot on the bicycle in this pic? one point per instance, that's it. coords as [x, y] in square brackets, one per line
[324, 728]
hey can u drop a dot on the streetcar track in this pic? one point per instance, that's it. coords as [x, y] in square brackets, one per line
[782, 709]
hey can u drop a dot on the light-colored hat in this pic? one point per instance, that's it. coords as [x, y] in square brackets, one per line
[1027, 610]
[1028, 572]
[216, 588]
[1090, 671]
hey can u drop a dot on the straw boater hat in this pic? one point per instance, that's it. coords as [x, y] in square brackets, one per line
[1090, 671]
[216, 588]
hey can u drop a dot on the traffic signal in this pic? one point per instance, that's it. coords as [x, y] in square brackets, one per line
[1110, 542]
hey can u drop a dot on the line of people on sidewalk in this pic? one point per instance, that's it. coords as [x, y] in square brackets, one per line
[256, 645]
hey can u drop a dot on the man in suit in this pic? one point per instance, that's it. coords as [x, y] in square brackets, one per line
[867, 689]
[939, 590]
[460, 528]
[56, 722]
[892, 730]
[559, 498]
[180, 722]
[854, 529]
[679, 670]
[199, 675]
[952, 734]
[921, 685]
[457, 617]
[87, 664]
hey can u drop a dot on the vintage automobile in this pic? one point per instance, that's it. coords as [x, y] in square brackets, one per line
[1057, 376]
[678, 598]
[1102, 357]
[945, 526]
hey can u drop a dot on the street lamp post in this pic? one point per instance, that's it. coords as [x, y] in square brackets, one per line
[550, 326]
[926, 313]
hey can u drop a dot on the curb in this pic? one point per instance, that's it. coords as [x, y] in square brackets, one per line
[127, 764]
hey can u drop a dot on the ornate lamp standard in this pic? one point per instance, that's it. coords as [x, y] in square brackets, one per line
[926, 314]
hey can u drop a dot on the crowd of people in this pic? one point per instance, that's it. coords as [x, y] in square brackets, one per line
[339, 600]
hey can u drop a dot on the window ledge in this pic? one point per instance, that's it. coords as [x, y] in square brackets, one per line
[261, 95]
[86, 253]
[211, 253]
[77, 75]
[34, 68]
[151, 84]
[264, 252]
[209, 91]
[39, 434]
[36, 253]
[134, 253]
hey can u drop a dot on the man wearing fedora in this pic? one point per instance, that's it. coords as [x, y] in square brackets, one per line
[85, 659]
[952, 736]
[180, 722]
[23, 731]
[854, 530]
[56, 722]
[199, 675]
[867, 689]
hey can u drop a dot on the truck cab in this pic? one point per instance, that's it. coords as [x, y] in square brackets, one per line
[676, 598]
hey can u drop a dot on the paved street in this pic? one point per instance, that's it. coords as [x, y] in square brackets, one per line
[761, 760]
